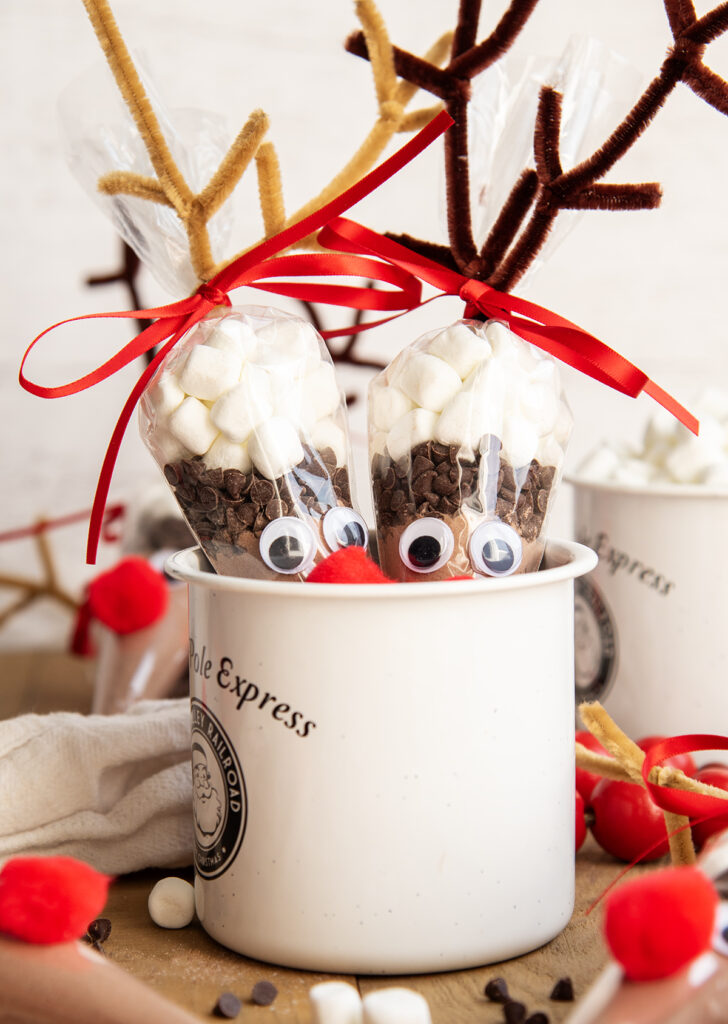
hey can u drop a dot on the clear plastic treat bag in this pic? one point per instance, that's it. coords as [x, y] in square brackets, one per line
[248, 424]
[467, 432]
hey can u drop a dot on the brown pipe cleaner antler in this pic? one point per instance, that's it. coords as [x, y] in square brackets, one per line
[541, 193]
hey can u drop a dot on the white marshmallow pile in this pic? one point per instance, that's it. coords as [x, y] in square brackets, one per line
[669, 452]
[172, 903]
[247, 396]
[335, 1002]
[466, 382]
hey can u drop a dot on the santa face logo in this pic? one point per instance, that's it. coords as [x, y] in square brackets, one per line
[219, 800]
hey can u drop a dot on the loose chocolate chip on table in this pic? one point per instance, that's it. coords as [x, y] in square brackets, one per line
[99, 930]
[514, 1012]
[563, 991]
[264, 992]
[228, 1005]
[496, 990]
[537, 1018]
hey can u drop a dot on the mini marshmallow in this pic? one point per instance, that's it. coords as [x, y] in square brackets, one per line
[172, 903]
[413, 428]
[716, 476]
[633, 471]
[166, 395]
[461, 347]
[274, 447]
[168, 447]
[327, 434]
[466, 419]
[191, 424]
[209, 372]
[387, 405]
[510, 348]
[564, 424]
[320, 396]
[377, 443]
[428, 381]
[240, 410]
[395, 1006]
[689, 461]
[233, 335]
[520, 440]
[599, 464]
[335, 1002]
[288, 346]
[225, 454]
[539, 403]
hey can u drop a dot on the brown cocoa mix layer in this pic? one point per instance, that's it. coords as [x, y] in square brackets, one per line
[436, 480]
[226, 508]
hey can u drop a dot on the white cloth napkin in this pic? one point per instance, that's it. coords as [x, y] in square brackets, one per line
[112, 790]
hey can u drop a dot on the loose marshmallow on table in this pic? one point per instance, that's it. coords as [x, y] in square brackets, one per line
[190, 423]
[209, 372]
[395, 1006]
[335, 1002]
[430, 382]
[172, 903]
[274, 447]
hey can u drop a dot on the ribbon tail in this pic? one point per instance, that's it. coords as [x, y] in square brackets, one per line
[668, 402]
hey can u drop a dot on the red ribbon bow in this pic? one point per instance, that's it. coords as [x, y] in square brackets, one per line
[394, 265]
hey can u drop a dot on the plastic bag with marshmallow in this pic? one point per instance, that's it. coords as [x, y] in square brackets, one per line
[247, 422]
[467, 433]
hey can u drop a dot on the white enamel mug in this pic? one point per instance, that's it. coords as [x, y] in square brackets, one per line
[651, 637]
[383, 775]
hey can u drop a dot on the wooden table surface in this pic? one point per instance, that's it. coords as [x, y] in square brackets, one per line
[191, 969]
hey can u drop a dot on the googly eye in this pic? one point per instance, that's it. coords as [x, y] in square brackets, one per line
[426, 545]
[287, 545]
[344, 528]
[495, 549]
[720, 935]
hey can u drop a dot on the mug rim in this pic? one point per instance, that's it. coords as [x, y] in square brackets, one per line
[578, 559]
[649, 490]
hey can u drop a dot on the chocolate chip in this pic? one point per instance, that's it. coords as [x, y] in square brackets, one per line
[531, 529]
[441, 452]
[192, 470]
[207, 498]
[328, 457]
[216, 477]
[228, 1005]
[389, 479]
[421, 465]
[537, 1018]
[260, 524]
[234, 483]
[401, 468]
[514, 1012]
[99, 930]
[397, 500]
[247, 514]
[542, 500]
[433, 499]
[497, 990]
[275, 509]
[217, 515]
[563, 991]
[423, 483]
[172, 474]
[262, 491]
[442, 484]
[264, 992]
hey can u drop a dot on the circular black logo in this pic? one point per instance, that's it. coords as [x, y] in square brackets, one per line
[219, 800]
[595, 643]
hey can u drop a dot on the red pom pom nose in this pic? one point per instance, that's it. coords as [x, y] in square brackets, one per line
[49, 899]
[347, 565]
[128, 597]
[657, 924]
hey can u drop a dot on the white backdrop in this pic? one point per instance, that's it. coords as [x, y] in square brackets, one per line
[651, 284]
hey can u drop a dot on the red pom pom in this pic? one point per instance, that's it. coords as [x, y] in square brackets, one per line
[128, 597]
[657, 924]
[49, 899]
[347, 565]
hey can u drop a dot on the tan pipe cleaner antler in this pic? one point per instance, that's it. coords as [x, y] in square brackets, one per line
[195, 211]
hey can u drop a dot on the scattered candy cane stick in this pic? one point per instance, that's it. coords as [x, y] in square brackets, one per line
[630, 757]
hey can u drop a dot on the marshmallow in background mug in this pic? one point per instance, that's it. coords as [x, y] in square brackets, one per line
[395, 1006]
[247, 421]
